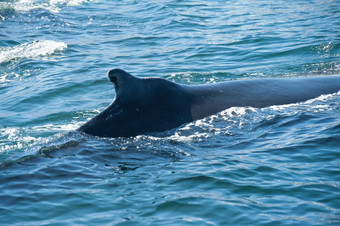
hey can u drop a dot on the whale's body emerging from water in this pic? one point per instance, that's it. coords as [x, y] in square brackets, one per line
[145, 105]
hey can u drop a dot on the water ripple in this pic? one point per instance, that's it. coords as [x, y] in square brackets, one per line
[244, 166]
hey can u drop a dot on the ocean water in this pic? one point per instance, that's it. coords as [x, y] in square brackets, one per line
[278, 165]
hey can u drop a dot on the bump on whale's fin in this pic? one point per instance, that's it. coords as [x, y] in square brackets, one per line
[119, 78]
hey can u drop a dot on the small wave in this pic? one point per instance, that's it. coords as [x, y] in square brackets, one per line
[242, 120]
[67, 2]
[15, 140]
[53, 6]
[31, 50]
[198, 78]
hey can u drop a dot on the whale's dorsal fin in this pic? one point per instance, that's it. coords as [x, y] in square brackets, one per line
[125, 85]
[120, 78]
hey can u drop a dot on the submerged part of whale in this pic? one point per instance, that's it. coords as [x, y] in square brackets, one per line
[145, 105]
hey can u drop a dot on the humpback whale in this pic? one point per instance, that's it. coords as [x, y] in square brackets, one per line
[146, 105]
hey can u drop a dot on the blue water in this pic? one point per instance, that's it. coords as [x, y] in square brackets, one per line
[278, 165]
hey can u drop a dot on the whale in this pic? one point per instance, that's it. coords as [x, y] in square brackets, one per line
[149, 105]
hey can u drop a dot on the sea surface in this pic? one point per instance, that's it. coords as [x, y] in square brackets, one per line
[278, 165]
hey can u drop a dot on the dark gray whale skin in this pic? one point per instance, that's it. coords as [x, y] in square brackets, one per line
[146, 105]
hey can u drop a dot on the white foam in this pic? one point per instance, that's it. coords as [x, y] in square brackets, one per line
[53, 6]
[15, 138]
[67, 2]
[27, 5]
[55, 128]
[31, 50]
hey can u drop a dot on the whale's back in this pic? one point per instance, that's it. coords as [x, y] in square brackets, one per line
[210, 99]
